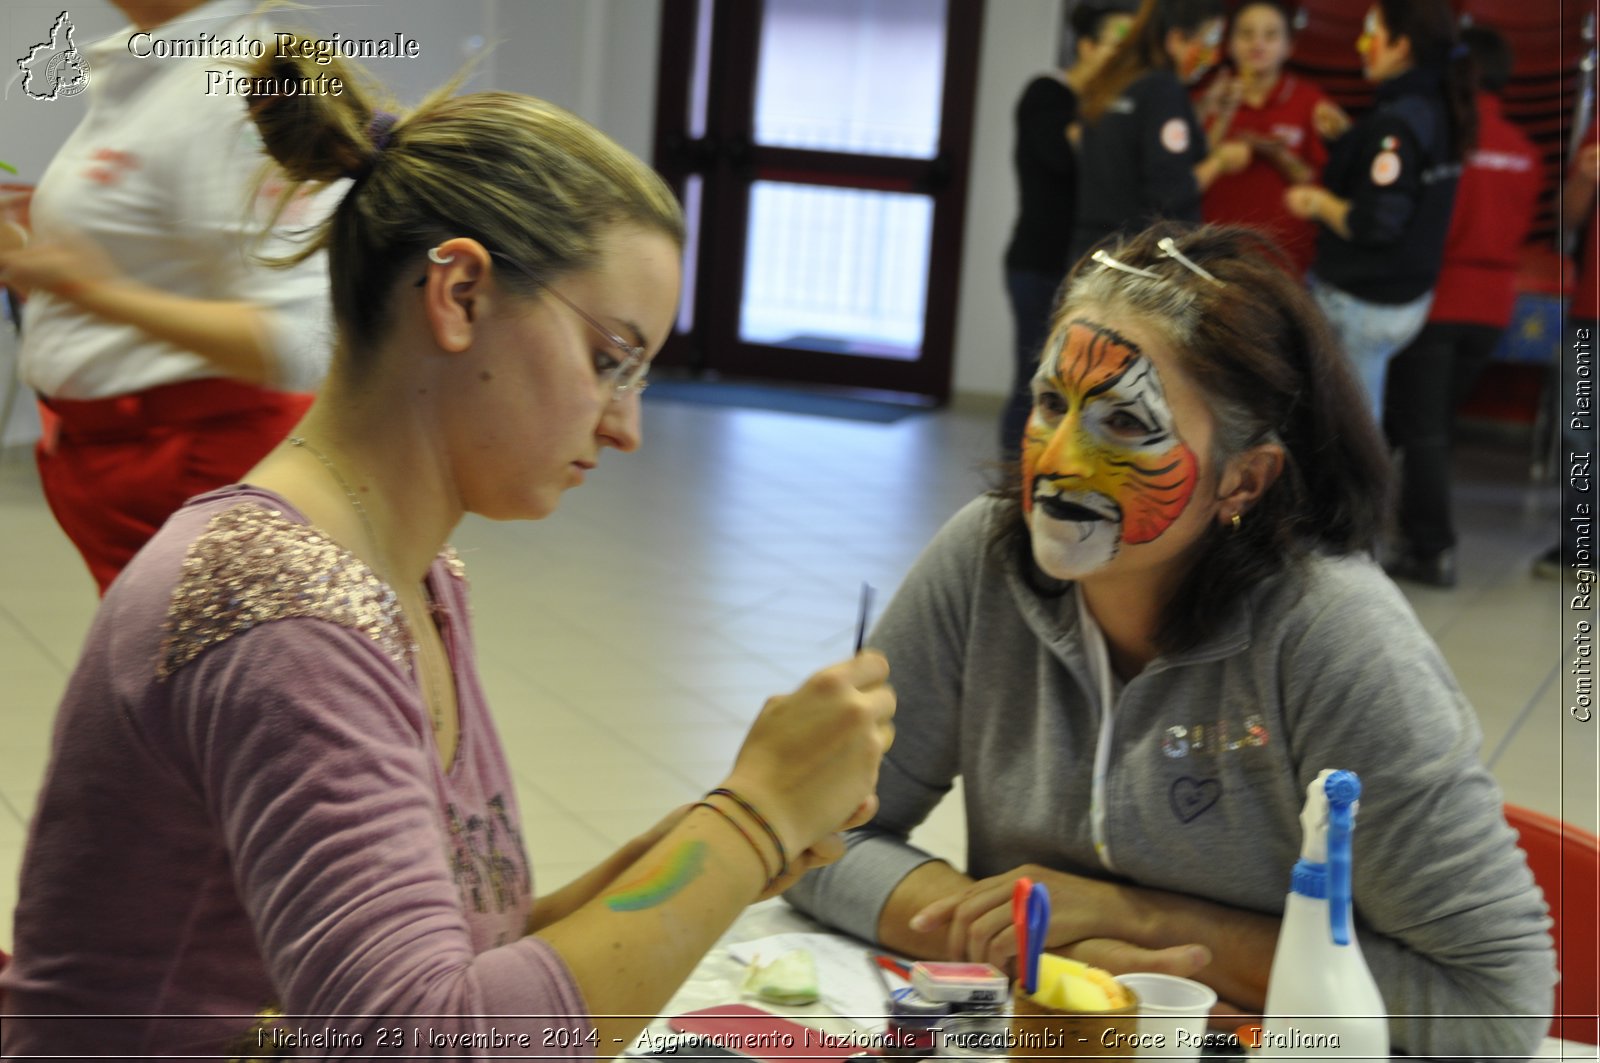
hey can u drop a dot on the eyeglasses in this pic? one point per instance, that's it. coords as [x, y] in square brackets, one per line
[623, 373]
[626, 372]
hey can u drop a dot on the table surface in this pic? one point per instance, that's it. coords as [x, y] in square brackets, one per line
[719, 977]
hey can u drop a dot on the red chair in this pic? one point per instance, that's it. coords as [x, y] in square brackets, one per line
[1565, 862]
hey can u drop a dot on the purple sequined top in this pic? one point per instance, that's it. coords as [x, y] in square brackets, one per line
[245, 809]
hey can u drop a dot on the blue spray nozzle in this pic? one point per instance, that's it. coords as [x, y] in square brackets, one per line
[1343, 788]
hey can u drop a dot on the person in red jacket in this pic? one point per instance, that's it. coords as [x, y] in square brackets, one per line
[1281, 116]
[1495, 204]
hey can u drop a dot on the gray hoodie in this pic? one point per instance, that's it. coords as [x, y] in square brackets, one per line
[1209, 753]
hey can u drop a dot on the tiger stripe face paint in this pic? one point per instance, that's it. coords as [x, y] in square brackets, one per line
[1102, 461]
[662, 882]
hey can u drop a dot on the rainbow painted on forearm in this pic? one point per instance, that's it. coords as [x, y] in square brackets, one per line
[662, 882]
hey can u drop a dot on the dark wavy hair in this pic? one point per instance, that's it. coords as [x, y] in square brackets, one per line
[1430, 26]
[1145, 48]
[1492, 55]
[1087, 16]
[1266, 362]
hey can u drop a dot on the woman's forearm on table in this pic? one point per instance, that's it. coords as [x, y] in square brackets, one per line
[925, 884]
[1241, 942]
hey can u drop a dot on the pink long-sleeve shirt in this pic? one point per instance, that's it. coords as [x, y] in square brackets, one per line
[245, 807]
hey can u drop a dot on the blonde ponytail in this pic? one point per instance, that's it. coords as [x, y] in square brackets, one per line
[528, 180]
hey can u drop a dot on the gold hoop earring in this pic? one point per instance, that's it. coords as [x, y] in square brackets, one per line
[1237, 522]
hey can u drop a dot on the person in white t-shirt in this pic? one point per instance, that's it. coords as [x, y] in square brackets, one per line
[168, 357]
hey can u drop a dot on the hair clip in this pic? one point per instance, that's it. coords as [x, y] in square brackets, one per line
[1169, 247]
[439, 260]
[1111, 263]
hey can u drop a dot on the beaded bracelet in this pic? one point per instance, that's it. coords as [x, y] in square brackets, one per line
[783, 854]
[760, 857]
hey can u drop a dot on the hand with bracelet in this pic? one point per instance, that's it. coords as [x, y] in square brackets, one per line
[807, 770]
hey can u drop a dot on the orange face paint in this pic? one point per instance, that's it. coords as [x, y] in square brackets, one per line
[1200, 53]
[1102, 461]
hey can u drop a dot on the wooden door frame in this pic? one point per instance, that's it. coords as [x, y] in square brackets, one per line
[730, 163]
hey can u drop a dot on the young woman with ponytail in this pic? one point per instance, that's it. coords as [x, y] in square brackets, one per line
[275, 786]
[1138, 655]
[1388, 189]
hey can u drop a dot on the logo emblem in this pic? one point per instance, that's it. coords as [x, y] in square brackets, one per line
[1175, 135]
[1385, 168]
[55, 69]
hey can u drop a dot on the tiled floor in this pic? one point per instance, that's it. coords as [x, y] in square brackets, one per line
[627, 641]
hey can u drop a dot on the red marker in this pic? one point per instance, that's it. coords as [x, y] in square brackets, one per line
[1019, 919]
[888, 963]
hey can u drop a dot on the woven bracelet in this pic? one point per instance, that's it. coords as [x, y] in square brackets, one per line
[760, 857]
[783, 854]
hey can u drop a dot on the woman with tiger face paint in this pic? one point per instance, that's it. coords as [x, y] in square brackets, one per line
[1102, 461]
[1138, 654]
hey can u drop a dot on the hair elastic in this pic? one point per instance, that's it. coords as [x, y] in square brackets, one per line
[378, 130]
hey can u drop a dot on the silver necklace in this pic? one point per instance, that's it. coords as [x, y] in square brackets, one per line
[344, 485]
[434, 699]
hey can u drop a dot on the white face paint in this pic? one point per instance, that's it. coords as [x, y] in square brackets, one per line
[1069, 548]
[1103, 463]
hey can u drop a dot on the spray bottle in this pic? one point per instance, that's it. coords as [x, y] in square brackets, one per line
[1321, 1000]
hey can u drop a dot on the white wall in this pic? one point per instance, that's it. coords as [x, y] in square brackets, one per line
[1019, 42]
[599, 58]
[32, 130]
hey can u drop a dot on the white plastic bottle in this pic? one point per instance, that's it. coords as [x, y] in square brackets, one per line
[1322, 1003]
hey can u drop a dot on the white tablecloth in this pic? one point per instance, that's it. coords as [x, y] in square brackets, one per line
[718, 978]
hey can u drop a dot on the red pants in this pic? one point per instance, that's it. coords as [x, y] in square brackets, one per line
[115, 469]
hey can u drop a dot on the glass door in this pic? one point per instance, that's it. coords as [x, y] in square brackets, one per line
[820, 148]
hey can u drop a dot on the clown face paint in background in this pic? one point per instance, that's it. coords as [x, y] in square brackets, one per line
[1102, 463]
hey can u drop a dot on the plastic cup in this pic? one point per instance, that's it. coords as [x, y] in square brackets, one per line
[1038, 1032]
[1172, 1014]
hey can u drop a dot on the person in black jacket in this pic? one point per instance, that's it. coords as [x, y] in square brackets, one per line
[1143, 154]
[1389, 187]
[1047, 183]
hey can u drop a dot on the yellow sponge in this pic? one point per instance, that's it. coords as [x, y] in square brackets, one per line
[1068, 985]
